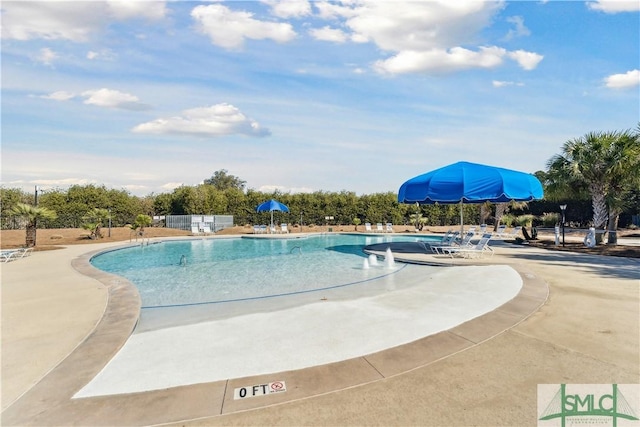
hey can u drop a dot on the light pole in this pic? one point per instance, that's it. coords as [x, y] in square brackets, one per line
[109, 222]
[35, 199]
[563, 208]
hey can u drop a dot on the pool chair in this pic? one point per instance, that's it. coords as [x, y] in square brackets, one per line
[367, 226]
[206, 228]
[447, 240]
[195, 229]
[472, 230]
[478, 250]
[389, 228]
[6, 256]
[14, 254]
[284, 229]
[500, 231]
[516, 232]
[272, 229]
[379, 228]
[453, 245]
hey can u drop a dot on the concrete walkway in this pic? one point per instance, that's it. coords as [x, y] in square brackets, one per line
[587, 332]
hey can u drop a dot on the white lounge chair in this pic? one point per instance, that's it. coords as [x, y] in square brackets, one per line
[272, 229]
[284, 229]
[500, 231]
[367, 226]
[389, 228]
[195, 229]
[447, 240]
[14, 254]
[206, 228]
[478, 250]
[379, 228]
[464, 243]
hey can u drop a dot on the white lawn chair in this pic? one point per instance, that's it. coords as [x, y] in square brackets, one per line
[478, 250]
[195, 229]
[206, 228]
[500, 231]
[367, 226]
[14, 254]
[389, 228]
[379, 228]
[284, 229]
[464, 243]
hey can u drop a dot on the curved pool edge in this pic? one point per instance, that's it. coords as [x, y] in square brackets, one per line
[50, 401]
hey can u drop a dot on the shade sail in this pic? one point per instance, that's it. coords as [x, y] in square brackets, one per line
[465, 182]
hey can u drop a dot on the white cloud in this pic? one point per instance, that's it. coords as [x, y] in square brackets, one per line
[501, 83]
[75, 21]
[60, 95]
[623, 81]
[170, 186]
[526, 60]
[615, 6]
[123, 10]
[289, 8]
[425, 25]
[214, 121]
[328, 34]
[104, 54]
[424, 36]
[46, 56]
[228, 29]
[441, 61]
[110, 98]
[520, 30]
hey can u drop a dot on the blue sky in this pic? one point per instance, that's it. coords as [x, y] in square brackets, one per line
[300, 96]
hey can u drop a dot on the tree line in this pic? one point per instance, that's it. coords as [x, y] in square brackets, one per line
[597, 176]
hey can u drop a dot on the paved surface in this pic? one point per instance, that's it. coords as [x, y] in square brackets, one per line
[586, 332]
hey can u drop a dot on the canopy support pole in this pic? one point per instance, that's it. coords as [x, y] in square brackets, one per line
[461, 221]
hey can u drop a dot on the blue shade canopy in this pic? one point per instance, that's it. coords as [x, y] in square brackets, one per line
[272, 205]
[465, 182]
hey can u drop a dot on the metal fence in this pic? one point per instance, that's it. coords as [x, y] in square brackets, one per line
[185, 222]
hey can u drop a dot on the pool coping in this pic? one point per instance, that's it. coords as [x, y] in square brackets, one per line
[50, 401]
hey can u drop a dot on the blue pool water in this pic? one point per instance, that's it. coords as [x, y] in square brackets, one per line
[231, 269]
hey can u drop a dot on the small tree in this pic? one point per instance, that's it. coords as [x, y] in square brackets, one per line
[94, 222]
[139, 224]
[31, 215]
[356, 221]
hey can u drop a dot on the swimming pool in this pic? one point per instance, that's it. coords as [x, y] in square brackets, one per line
[207, 271]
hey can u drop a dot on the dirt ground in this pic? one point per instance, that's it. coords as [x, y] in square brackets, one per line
[49, 239]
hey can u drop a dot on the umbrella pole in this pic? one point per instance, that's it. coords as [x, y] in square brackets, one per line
[461, 221]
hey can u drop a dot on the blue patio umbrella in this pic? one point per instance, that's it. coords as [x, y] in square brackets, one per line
[270, 206]
[465, 182]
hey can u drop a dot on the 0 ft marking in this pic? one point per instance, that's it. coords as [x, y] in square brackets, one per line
[259, 390]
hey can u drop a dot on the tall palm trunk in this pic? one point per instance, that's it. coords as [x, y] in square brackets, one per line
[501, 208]
[612, 226]
[598, 200]
[30, 239]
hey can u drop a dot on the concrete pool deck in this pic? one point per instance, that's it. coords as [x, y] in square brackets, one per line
[586, 332]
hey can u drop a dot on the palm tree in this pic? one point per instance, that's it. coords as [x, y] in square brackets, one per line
[31, 215]
[601, 162]
[95, 220]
